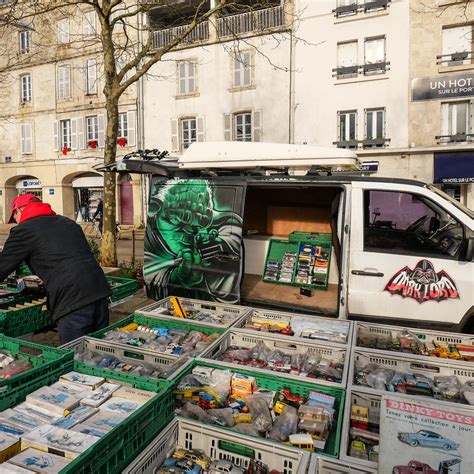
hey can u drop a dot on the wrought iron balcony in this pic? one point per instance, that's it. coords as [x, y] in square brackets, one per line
[251, 22]
[163, 38]
[455, 59]
[357, 7]
[455, 138]
[364, 69]
[365, 144]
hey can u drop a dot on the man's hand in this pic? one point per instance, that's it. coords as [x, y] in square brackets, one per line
[189, 271]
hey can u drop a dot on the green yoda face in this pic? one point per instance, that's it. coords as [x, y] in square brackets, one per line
[186, 214]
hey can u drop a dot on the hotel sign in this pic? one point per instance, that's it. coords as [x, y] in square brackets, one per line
[442, 87]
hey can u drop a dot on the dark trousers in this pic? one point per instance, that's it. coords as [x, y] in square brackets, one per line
[84, 320]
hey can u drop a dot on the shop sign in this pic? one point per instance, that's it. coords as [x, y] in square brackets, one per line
[28, 184]
[442, 87]
[370, 166]
[51, 192]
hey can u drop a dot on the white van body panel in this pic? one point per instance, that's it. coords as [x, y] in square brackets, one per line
[372, 296]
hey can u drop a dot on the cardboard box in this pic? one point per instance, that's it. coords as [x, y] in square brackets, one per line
[53, 400]
[9, 446]
[82, 380]
[39, 461]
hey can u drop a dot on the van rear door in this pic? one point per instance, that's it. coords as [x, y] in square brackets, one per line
[193, 239]
[406, 256]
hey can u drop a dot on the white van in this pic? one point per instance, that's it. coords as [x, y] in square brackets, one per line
[401, 251]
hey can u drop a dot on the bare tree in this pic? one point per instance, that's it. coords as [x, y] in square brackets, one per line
[125, 43]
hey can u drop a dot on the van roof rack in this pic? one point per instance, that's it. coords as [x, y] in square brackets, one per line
[268, 157]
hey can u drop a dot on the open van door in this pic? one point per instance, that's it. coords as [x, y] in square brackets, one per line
[193, 239]
[408, 257]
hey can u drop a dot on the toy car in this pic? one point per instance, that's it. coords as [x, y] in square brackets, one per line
[427, 439]
[197, 456]
[182, 465]
[223, 466]
[290, 398]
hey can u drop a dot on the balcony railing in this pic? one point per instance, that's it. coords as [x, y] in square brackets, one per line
[251, 22]
[163, 38]
[455, 138]
[345, 72]
[455, 59]
[357, 7]
[365, 144]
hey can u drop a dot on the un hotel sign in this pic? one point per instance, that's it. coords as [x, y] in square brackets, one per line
[442, 87]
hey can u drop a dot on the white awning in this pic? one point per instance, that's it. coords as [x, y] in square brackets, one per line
[88, 182]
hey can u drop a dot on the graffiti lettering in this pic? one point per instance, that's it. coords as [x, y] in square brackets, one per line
[423, 284]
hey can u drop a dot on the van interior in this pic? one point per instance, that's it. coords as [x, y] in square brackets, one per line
[274, 211]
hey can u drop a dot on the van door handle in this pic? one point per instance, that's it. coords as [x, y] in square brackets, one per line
[367, 274]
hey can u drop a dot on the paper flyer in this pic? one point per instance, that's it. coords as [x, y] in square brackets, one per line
[428, 437]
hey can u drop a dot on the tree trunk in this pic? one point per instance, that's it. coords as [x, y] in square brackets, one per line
[108, 249]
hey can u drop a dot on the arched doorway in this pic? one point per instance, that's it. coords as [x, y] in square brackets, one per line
[126, 200]
[88, 190]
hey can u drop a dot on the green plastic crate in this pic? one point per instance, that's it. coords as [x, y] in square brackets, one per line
[48, 363]
[273, 382]
[115, 451]
[121, 287]
[17, 322]
[157, 322]
[277, 248]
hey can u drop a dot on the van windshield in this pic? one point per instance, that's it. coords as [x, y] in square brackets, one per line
[453, 201]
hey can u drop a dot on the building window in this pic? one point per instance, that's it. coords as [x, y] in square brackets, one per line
[455, 121]
[188, 129]
[90, 77]
[374, 124]
[242, 69]
[26, 138]
[92, 129]
[347, 127]
[346, 7]
[126, 127]
[64, 82]
[63, 31]
[123, 125]
[186, 77]
[89, 23]
[65, 133]
[243, 127]
[26, 89]
[457, 45]
[24, 42]
[347, 59]
[374, 52]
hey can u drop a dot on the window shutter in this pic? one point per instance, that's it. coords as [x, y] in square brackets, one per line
[457, 40]
[56, 135]
[80, 133]
[227, 127]
[101, 121]
[445, 119]
[174, 135]
[201, 131]
[26, 138]
[182, 78]
[247, 57]
[237, 75]
[191, 77]
[73, 134]
[257, 126]
[131, 138]
[92, 76]
[86, 78]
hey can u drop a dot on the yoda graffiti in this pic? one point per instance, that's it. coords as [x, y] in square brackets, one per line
[193, 241]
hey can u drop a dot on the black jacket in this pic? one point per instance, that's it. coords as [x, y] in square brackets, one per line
[55, 249]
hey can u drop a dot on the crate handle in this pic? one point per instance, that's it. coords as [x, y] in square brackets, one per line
[432, 368]
[285, 345]
[34, 351]
[134, 355]
[211, 308]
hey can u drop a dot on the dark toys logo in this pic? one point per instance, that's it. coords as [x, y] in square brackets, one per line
[423, 284]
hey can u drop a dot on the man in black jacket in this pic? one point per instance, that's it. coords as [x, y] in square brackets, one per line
[55, 249]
